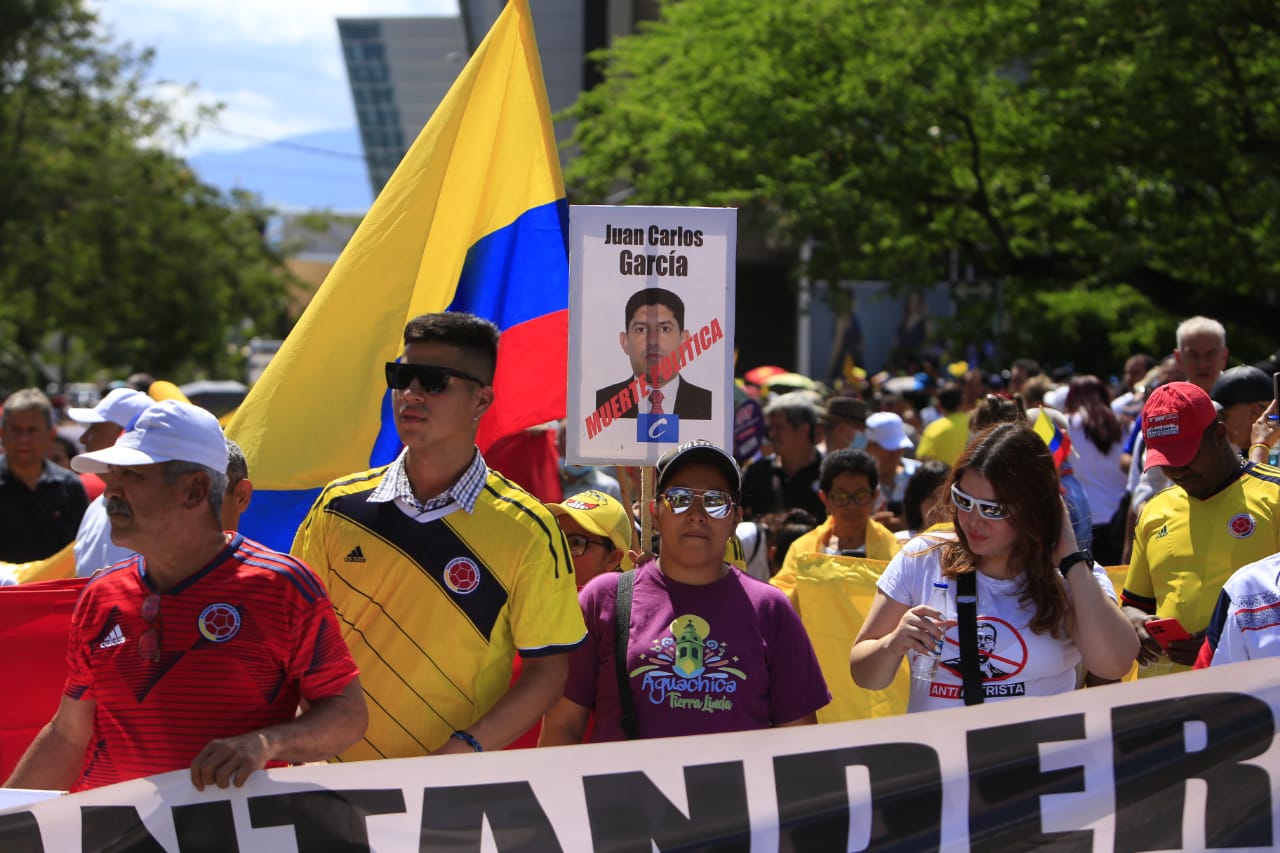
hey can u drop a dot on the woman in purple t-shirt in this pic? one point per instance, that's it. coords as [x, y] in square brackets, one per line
[709, 649]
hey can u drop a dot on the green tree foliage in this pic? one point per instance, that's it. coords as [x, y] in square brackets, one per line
[1095, 156]
[104, 236]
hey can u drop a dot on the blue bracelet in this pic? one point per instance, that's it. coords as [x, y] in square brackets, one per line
[467, 738]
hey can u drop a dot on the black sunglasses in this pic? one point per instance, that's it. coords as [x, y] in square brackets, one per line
[432, 377]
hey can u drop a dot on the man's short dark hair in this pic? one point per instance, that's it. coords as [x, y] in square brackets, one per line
[848, 461]
[654, 296]
[1029, 366]
[950, 397]
[476, 337]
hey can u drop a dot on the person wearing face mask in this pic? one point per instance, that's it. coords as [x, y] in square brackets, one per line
[708, 649]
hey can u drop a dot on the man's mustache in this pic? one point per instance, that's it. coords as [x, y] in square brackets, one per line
[116, 506]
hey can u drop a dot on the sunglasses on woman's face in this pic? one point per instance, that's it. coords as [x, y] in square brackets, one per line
[965, 502]
[715, 502]
[432, 378]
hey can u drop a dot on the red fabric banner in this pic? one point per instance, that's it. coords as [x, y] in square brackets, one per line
[34, 621]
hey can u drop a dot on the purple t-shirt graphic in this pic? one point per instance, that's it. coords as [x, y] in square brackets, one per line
[725, 657]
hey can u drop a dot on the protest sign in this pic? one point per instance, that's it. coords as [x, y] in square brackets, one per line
[650, 330]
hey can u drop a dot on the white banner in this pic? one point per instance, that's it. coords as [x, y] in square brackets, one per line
[651, 294]
[1183, 762]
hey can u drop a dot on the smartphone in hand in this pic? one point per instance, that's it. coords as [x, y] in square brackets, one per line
[1165, 631]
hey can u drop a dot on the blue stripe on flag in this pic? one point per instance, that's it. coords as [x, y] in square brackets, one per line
[276, 516]
[505, 276]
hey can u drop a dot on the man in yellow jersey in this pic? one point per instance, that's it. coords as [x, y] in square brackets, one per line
[1220, 514]
[441, 569]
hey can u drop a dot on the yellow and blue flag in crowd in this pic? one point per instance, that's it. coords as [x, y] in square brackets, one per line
[474, 219]
[1058, 442]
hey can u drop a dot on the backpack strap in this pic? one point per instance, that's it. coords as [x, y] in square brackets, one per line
[967, 617]
[621, 634]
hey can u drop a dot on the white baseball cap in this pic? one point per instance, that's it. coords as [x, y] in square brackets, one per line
[120, 406]
[885, 429]
[170, 431]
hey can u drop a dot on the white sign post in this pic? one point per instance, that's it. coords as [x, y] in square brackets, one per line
[650, 331]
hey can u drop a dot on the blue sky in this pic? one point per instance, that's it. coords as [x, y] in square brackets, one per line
[275, 65]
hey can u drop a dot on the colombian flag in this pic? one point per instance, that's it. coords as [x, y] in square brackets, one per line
[474, 219]
[1059, 443]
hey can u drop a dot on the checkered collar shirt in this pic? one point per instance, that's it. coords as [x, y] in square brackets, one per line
[465, 492]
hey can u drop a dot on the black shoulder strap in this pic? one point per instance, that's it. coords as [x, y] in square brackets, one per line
[967, 617]
[621, 633]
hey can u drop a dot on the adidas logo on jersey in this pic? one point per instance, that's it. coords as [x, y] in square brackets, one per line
[114, 638]
[1160, 534]
[355, 556]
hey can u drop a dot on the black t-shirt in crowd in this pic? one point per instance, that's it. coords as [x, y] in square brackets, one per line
[37, 524]
[766, 488]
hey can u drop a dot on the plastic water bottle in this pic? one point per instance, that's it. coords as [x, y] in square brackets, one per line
[925, 666]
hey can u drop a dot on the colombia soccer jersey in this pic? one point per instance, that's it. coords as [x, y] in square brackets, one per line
[1184, 549]
[228, 651]
[434, 604]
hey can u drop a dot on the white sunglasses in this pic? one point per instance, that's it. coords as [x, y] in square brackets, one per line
[965, 502]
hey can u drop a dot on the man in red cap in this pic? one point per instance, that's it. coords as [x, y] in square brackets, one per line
[1220, 514]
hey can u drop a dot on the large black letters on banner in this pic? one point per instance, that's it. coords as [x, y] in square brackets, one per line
[627, 812]
[20, 833]
[1152, 764]
[206, 827]
[453, 819]
[108, 829]
[1006, 784]
[813, 799]
[326, 821]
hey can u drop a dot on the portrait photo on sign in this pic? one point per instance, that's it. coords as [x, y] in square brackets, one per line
[650, 330]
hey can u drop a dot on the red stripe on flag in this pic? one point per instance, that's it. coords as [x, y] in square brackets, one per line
[531, 377]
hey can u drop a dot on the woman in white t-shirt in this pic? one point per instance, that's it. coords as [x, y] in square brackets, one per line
[1043, 605]
[1098, 440]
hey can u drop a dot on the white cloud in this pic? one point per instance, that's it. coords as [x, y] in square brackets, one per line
[253, 22]
[247, 119]
[276, 64]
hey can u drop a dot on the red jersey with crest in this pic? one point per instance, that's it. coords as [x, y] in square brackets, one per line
[227, 651]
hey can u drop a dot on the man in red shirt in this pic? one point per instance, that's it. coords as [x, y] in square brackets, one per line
[198, 649]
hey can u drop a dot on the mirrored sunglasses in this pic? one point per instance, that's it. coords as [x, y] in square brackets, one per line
[715, 503]
[965, 502]
[432, 378]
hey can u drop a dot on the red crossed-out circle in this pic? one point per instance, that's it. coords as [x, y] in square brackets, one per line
[1009, 655]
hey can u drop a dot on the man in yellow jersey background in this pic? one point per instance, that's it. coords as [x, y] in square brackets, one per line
[441, 569]
[1220, 514]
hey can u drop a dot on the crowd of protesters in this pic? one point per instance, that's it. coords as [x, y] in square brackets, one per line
[1015, 485]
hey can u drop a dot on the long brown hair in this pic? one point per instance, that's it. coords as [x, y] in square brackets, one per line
[1020, 468]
